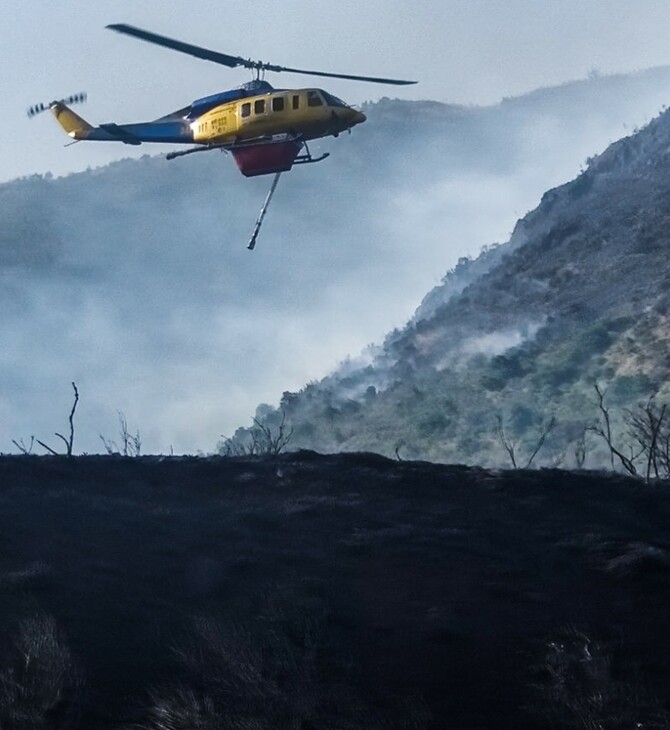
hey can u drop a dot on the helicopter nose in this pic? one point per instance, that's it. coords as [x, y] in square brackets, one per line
[354, 117]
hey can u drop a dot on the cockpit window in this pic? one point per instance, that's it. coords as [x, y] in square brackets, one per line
[332, 100]
[313, 99]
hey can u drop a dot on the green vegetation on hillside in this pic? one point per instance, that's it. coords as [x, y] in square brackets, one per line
[578, 297]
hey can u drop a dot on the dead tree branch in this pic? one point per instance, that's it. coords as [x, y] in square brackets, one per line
[606, 434]
[266, 441]
[545, 430]
[627, 463]
[580, 449]
[48, 448]
[68, 442]
[645, 427]
[508, 445]
[511, 447]
[21, 446]
[131, 445]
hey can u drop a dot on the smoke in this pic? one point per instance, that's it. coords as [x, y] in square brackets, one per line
[134, 280]
[496, 343]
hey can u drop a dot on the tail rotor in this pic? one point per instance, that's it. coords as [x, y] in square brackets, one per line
[79, 98]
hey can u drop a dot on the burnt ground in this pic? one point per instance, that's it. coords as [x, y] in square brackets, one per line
[349, 591]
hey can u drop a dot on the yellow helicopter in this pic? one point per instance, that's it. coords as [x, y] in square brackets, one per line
[265, 129]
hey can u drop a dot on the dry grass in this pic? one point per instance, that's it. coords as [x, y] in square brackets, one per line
[40, 684]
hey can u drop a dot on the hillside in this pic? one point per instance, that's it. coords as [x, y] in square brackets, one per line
[134, 281]
[578, 296]
[343, 591]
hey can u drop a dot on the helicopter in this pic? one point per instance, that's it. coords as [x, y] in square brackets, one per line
[266, 130]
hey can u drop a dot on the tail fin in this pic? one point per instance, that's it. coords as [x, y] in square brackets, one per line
[72, 123]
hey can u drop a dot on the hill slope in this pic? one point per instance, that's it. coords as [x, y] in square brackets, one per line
[579, 295]
[340, 592]
[134, 280]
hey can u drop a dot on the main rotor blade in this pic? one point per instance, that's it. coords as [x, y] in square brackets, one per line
[233, 61]
[373, 79]
[197, 51]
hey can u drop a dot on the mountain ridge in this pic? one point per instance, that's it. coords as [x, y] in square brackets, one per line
[577, 297]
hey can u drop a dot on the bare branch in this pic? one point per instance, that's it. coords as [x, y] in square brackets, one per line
[646, 427]
[607, 434]
[545, 430]
[131, 444]
[111, 447]
[627, 463]
[507, 444]
[21, 446]
[68, 442]
[71, 419]
[48, 448]
[268, 442]
[65, 441]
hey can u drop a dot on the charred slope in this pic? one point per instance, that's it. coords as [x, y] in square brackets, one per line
[329, 591]
[578, 295]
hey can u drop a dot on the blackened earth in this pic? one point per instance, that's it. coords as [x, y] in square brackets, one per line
[347, 591]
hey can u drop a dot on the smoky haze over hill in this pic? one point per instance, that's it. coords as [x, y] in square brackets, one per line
[514, 349]
[133, 280]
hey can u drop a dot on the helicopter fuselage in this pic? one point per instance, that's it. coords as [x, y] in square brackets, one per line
[264, 128]
[228, 118]
[304, 113]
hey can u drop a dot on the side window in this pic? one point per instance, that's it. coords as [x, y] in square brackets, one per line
[278, 104]
[313, 99]
[259, 106]
[296, 102]
[246, 109]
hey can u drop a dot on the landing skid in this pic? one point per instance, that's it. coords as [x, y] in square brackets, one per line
[307, 159]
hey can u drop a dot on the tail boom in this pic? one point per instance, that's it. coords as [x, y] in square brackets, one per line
[168, 131]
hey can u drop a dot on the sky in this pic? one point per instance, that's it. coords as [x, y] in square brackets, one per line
[460, 51]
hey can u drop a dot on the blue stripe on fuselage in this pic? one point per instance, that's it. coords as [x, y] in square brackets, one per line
[201, 106]
[170, 132]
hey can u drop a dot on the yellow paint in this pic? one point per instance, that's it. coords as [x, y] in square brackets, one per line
[72, 123]
[278, 112]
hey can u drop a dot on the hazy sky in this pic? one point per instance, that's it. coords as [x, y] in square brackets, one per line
[467, 51]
